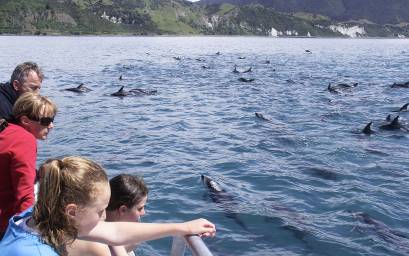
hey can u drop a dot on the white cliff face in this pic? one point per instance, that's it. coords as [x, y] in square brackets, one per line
[273, 32]
[355, 31]
[291, 33]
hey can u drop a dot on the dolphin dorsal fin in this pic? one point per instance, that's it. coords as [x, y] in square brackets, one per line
[80, 86]
[367, 129]
[388, 118]
[404, 107]
[122, 89]
[395, 121]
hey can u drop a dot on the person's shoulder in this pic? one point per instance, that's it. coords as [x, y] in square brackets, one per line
[22, 133]
[25, 244]
[32, 247]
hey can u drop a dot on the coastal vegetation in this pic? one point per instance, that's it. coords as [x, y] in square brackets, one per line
[179, 17]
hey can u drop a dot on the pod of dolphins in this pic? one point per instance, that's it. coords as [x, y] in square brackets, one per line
[391, 124]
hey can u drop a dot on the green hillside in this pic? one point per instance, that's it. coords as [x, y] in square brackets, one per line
[169, 17]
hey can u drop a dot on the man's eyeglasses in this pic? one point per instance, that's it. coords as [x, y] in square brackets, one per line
[44, 121]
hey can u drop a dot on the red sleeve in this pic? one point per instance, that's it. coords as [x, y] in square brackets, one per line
[23, 172]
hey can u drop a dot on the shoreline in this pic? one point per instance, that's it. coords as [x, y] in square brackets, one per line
[194, 35]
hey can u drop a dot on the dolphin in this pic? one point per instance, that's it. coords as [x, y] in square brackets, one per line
[212, 185]
[120, 77]
[267, 62]
[120, 93]
[322, 173]
[219, 196]
[403, 108]
[367, 130]
[235, 69]
[344, 85]
[227, 202]
[80, 88]
[400, 85]
[367, 219]
[138, 91]
[331, 89]
[177, 58]
[389, 118]
[389, 235]
[394, 125]
[308, 51]
[205, 67]
[339, 87]
[260, 116]
[241, 58]
[242, 79]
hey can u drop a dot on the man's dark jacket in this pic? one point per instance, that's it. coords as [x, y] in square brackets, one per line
[8, 97]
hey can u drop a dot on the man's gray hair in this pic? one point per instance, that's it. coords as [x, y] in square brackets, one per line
[21, 72]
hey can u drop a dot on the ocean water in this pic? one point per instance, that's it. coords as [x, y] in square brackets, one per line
[305, 182]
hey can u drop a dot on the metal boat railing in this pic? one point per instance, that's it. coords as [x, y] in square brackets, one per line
[195, 244]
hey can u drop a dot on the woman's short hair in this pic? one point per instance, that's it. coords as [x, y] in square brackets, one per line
[126, 190]
[33, 105]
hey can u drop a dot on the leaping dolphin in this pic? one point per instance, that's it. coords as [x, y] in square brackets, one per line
[80, 89]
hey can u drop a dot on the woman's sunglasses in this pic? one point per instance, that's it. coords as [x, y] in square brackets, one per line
[44, 121]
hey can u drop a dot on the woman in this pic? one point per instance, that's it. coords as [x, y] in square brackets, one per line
[73, 195]
[34, 116]
[127, 203]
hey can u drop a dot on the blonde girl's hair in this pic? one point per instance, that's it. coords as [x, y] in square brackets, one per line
[71, 180]
[32, 105]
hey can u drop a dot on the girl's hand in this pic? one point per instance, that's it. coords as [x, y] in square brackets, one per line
[201, 227]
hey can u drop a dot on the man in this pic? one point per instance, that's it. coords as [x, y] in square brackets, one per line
[26, 77]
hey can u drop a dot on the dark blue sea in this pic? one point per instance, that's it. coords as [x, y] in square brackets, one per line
[303, 182]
